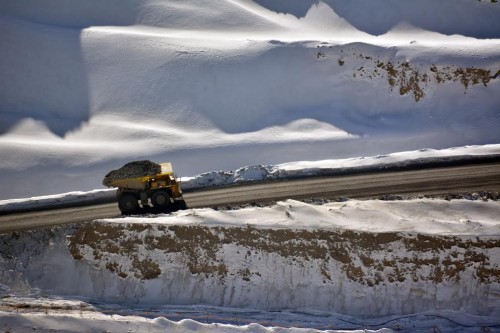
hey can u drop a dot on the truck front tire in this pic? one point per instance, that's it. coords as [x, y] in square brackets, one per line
[160, 199]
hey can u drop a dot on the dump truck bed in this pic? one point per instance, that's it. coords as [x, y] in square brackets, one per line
[140, 183]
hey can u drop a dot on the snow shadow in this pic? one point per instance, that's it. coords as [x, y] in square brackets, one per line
[42, 65]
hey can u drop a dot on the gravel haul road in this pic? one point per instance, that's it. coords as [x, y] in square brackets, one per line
[431, 181]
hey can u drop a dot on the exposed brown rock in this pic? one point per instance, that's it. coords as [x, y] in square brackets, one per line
[364, 257]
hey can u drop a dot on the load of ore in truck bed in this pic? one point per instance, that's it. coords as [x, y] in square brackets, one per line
[132, 170]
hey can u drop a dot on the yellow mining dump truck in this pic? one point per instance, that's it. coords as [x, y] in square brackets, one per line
[141, 183]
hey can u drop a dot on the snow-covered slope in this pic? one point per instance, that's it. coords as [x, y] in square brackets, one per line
[213, 85]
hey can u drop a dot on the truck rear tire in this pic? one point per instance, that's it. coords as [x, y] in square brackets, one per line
[160, 199]
[128, 203]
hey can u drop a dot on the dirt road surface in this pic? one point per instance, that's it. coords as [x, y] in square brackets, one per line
[433, 181]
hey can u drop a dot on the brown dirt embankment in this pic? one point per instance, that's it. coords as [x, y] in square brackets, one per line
[362, 257]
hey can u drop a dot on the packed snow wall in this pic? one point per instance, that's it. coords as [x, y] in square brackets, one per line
[336, 270]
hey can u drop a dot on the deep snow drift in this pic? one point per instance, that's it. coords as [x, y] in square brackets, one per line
[222, 84]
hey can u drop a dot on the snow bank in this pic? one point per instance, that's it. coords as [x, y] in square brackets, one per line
[70, 199]
[299, 169]
[54, 315]
[79, 321]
